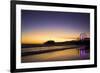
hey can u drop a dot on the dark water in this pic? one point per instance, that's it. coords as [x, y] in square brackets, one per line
[71, 52]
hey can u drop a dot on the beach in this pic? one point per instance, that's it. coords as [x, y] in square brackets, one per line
[55, 53]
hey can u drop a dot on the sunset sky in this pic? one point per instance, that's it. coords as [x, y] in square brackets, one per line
[41, 26]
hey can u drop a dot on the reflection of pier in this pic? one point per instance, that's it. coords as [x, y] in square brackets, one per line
[83, 51]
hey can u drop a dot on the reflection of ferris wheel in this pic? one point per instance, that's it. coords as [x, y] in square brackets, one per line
[83, 36]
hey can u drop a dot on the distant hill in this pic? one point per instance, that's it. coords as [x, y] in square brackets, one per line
[50, 42]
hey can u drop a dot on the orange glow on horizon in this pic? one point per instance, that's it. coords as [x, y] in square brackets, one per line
[40, 38]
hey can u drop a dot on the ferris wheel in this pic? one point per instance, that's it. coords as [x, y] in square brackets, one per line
[83, 36]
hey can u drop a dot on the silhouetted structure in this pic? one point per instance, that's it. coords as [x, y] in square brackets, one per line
[83, 36]
[50, 42]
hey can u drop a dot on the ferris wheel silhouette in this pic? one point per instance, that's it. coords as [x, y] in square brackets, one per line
[83, 36]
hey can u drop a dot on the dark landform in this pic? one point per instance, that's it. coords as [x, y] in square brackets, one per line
[52, 43]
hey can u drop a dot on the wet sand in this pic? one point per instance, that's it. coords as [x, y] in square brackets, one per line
[59, 55]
